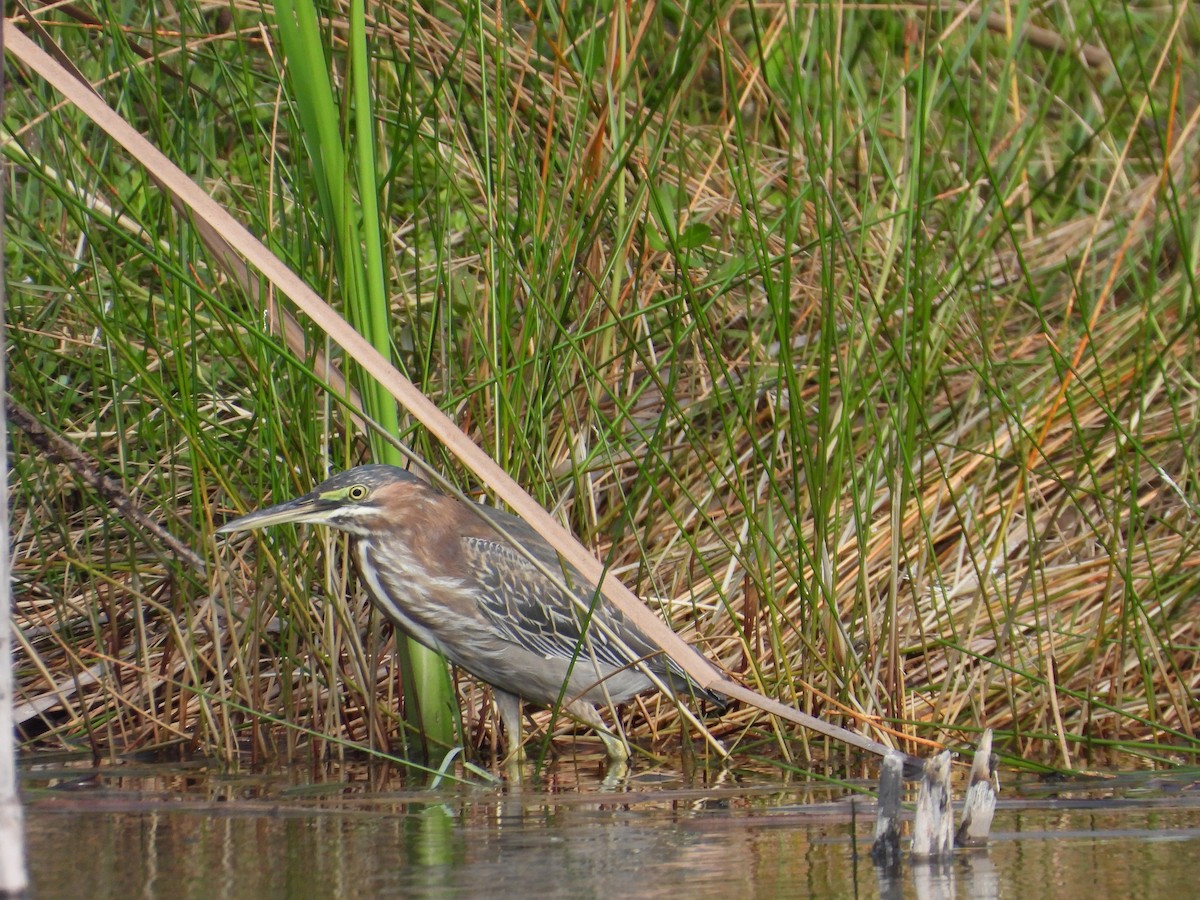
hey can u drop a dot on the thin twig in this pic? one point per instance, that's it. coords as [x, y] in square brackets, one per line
[59, 449]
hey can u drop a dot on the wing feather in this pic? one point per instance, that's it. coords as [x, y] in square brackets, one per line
[529, 609]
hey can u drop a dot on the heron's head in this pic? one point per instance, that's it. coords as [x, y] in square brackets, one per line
[357, 501]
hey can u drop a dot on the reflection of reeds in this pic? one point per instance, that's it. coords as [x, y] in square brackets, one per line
[873, 373]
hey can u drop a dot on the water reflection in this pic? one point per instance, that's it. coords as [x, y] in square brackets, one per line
[141, 832]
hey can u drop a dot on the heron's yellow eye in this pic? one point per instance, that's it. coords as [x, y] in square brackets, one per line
[357, 492]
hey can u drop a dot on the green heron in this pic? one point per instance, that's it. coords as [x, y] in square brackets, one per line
[439, 570]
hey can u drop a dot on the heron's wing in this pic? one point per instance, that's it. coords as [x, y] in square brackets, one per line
[528, 608]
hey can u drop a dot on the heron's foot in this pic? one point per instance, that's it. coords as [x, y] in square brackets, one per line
[513, 764]
[614, 743]
[514, 758]
[615, 747]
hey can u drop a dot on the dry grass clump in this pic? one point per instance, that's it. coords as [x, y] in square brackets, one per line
[861, 343]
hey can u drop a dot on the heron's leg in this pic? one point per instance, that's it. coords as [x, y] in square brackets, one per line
[509, 707]
[618, 750]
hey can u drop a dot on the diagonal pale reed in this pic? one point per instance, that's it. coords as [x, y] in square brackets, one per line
[435, 567]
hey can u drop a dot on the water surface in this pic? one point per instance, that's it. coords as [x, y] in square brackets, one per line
[159, 831]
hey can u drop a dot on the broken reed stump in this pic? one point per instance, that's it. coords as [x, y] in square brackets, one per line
[933, 827]
[934, 837]
[885, 849]
[980, 804]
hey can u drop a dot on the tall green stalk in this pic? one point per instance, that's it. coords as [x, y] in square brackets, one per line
[352, 212]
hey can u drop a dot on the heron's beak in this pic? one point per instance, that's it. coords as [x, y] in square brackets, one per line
[309, 508]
